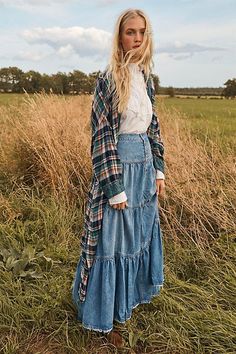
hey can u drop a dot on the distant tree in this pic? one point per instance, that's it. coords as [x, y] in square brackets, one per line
[92, 81]
[230, 89]
[15, 78]
[170, 91]
[156, 82]
[78, 82]
[5, 84]
[31, 81]
[60, 83]
[46, 83]
[10, 79]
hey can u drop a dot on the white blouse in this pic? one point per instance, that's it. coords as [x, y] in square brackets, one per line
[137, 116]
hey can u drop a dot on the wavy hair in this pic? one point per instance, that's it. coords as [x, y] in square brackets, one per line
[118, 64]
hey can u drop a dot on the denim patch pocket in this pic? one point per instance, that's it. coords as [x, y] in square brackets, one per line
[149, 182]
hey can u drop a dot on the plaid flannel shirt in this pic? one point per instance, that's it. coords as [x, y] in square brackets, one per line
[107, 179]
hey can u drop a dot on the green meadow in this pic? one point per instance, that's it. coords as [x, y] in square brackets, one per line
[208, 118]
[7, 99]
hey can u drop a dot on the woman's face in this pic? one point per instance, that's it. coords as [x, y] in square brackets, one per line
[132, 33]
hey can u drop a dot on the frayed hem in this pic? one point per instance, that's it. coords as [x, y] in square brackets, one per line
[140, 303]
[92, 328]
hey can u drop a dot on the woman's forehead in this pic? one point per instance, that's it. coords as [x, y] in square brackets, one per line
[135, 23]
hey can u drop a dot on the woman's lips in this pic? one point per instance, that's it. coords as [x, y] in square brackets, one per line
[136, 46]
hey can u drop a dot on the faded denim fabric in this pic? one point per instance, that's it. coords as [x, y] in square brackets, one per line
[128, 267]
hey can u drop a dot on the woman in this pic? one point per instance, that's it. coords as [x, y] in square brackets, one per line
[121, 264]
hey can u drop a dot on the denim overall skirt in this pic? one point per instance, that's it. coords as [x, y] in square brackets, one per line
[128, 266]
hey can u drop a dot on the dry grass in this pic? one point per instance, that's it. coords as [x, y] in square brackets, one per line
[46, 139]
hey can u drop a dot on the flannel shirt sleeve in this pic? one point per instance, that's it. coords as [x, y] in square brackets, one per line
[106, 163]
[154, 135]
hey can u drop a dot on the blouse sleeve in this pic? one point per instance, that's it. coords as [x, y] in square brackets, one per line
[106, 163]
[119, 198]
[159, 175]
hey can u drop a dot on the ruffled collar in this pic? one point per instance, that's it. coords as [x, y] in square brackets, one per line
[135, 67]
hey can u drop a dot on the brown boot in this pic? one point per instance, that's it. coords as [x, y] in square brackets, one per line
[115, 338]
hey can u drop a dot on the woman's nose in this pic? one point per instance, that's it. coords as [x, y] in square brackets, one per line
[138, 37]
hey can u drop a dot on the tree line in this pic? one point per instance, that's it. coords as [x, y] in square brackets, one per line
[229, 91]
[15, 80]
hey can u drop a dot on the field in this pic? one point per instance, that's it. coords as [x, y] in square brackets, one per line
[45, 170]
[7, 99]
[209, 118]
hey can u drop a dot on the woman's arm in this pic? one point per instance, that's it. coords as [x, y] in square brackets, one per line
[154, 134]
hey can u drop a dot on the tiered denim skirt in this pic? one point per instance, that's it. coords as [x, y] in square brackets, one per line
[128, 269]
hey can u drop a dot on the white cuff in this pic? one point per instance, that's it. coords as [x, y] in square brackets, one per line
[118, 198]
[160, 174]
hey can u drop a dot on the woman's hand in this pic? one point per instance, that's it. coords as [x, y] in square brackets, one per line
[160, 187]
[120, 205]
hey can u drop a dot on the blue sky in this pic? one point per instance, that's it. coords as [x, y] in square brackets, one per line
[194, 40]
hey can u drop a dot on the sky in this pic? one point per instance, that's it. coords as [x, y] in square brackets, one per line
[194, 40]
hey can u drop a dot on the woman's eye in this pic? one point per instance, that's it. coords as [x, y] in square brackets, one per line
[132, 32]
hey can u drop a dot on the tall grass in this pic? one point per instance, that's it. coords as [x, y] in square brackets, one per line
[45, 174]
[49, 143]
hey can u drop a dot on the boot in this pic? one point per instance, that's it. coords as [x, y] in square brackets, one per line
[115, 338]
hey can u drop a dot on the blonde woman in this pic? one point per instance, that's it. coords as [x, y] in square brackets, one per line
[121, 264]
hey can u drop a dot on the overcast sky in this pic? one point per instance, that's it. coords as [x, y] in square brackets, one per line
[194, 40]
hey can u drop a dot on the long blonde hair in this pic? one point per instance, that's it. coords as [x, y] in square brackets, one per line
[118, 64]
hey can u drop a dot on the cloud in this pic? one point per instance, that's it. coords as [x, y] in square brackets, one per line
[202, 31]
[31, 3]
[217, 58]
[107, 2]
[181, 51]
[85, 42]
[30, 56]
[66, 51]
[180, 56]
[44, 8]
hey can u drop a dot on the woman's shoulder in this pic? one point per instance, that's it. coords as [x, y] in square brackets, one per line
[104, 81]
[105, 75]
